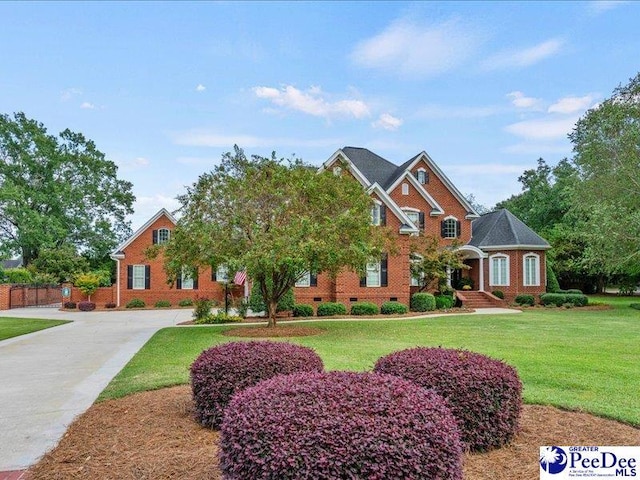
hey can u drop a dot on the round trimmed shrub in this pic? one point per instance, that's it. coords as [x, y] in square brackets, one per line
[339, 425]
[326, 309]
[135, 303]
[364, 308]
[110, 305]
[484, 394]
[423, 302]
[525, 299]
[163, 304]
[70, 305]
[223, 370]
[498, 293]
[86, 306]
[302, 310]
[393, 308]
[444, 302]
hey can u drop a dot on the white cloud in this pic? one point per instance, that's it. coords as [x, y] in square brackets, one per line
[432, 112]
[147, 206]
[200, 88]
[409, 48]
[598, 7]
[520, 100]
[69, 93]
[140, 162]
[572, 104]
[543, 128]
[485, 169]
[313, 102]
[210, 138]
[87, 106]
[524, 57]
[387, 121]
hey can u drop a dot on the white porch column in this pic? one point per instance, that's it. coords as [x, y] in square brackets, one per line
[481, 274]
[449, 277]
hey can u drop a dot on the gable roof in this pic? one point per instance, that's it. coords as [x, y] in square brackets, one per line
[375, 168]
[9, 264]
[118, 253]
[502, 229]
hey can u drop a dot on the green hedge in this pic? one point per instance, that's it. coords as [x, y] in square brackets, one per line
[498, 293]
[525, 299]
[422, 302]
[444, 302]
[393, 308]
[326, 309]
[302, 310]
[364, 308]
[560, 299]
[162, 304]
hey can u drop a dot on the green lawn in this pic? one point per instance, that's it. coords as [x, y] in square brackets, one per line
[586, 360]
[12, 327]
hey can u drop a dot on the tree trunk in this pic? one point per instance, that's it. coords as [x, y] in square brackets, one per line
[272, 307]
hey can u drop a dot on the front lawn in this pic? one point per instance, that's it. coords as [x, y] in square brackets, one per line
[12, 327]
[582, 360]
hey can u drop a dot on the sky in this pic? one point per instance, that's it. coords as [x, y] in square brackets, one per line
[165, 88]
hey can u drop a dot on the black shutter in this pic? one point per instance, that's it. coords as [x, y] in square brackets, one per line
[421, 221]
[384, 281]
[383, 215]
[458, 228]
[154, 237]
[416, 174]
[179, 282]
[363, 281]
[442, 228]
[129, 277]
[313, 279]
[426, 177]
[147, 277]
[213, 274]
[195, 281]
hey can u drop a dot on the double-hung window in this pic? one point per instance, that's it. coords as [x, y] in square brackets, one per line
[138, 277]
[531, 270]
[304, 280]
[373, 274]
[499, 270]
[186, 280]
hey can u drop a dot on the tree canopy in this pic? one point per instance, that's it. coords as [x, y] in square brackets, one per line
[276, 218]
[58, 190]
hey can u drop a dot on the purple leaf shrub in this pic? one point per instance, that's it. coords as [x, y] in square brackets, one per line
[339, 425]
[484, 394]
[221, 371]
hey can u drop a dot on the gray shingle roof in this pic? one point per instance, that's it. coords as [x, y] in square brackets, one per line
[503, 228]
[7, 264]
[373, 167]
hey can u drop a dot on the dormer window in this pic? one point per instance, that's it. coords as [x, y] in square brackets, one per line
[161, 236]
[422, 176]
[337, 171]
[405, 189]
[416, 216]
[378, 214]
[450, 228]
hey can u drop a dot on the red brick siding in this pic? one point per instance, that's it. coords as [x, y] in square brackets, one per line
[5, 296]
[516, 274]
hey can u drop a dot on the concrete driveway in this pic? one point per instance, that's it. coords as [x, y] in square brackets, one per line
[49, 377]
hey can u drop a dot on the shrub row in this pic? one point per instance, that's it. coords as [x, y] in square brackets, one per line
[423, 302]
[393, 308]
[302, 310]
[525, 299]
[326, 309]
[217, 318]
[560, 299]
[364, 308]
[444, 301]
[357, 308]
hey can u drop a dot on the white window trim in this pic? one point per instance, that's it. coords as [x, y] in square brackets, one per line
[421, 170]
[536, 272]
[507, 270]
[371, 267]
[186, 279]
[376, 216]
[405, 188]
[222, 274]
[408, 211]
[160, 240]
[140, 277]
[304, 280]
[455, 227]
[413, 281]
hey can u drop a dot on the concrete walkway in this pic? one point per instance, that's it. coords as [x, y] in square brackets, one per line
[49, 377]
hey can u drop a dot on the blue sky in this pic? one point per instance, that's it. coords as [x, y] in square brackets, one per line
[163, 89]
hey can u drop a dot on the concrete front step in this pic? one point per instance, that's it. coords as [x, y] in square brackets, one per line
[476, 299]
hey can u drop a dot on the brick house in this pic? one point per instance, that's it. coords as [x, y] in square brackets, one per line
[501, 251]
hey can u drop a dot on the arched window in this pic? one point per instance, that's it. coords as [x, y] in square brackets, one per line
[499, 270]
[450, 228]
[422, 176]
[163, 235]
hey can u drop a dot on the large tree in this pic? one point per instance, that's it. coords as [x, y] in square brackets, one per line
[57, 190]
[606, 144]
[277, 219]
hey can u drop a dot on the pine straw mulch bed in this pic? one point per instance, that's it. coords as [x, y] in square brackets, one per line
[152, 435]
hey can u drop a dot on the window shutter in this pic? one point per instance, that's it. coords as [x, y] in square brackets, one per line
[213, 274]
[458, 228]
[179, 282]
[313, 279]
[147, 277]
[442, 229]
[383, 215]
[195, 281]
[421, 220]
[363, 281]
[129, 277]
[383, 271]
[154, 237]
[426, 177]
[417, 175]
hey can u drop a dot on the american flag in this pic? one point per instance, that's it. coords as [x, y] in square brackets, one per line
[240, 277]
